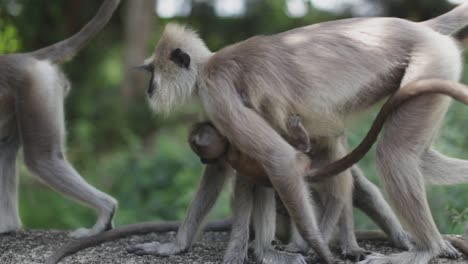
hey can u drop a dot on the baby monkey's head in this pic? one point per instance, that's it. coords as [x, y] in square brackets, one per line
[207, 142]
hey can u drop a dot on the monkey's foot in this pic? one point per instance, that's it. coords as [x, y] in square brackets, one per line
[449, 251]
[105, 222]
[156, 248]
[354, 253]
[9, 223]
[272, 256]
[411, 257]
[87, 232]
[234, 258]
[402, 241]
[295, 247]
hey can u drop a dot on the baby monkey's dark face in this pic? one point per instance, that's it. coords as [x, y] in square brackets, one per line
[207, 142]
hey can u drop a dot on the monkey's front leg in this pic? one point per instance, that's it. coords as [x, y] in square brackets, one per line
[211, 184]
[236, 252]
[9, 214]
[293, 192]
[349, 246]
[263, 218]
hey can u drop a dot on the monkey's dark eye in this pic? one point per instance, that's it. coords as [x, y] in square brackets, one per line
[180, 58]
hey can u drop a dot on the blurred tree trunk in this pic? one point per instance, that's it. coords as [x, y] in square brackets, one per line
[139, 23]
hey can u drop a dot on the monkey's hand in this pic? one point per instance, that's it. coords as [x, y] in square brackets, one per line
[156, 248]
[449, 251]
[354, 253]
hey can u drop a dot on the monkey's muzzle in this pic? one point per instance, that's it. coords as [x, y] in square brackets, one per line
[148, 68]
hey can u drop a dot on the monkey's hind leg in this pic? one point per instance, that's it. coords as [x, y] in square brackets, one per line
[39, 111]
[264, 214]
[370, 200]
[406, 138]
[9, 144]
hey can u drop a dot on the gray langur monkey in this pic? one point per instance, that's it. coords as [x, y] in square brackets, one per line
[32, 91]
[326, 73]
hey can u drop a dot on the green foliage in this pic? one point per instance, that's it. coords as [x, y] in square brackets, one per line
[143, 159]
[9, 39]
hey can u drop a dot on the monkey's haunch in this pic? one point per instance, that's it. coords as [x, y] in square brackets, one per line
[412, 90]
[124, 231]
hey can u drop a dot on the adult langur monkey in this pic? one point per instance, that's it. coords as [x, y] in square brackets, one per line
[32, 94]
[366, 195]
[325, 73]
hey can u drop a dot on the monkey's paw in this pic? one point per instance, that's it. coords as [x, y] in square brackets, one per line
[9, 222]
[156, 248]
[234, 259]
[410, 257]
[294, 247]
[272, 256]
[402, 241]
[449, 251]
[354, 253]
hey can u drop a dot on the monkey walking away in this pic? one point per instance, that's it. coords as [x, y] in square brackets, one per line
[326, 73]
[32, 94]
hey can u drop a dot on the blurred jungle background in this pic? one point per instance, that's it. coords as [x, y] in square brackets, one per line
[142, 159]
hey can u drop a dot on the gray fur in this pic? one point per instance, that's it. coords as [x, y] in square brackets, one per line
[236, 252]
[450, 22]
[317, 72]
[32, 92]
[264, 214]
[370, 200]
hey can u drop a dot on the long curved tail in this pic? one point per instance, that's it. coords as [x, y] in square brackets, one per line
[414, 89]
[451, 22]
[66, 49]
[124, 231]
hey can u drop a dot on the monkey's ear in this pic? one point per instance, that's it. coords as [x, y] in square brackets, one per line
[180, 58]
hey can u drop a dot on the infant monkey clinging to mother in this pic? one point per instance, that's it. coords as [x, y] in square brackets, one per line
[212, 147]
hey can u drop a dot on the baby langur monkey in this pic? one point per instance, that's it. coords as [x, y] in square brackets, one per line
[208, 143]
[32, 92]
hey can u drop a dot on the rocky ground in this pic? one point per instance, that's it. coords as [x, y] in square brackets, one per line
[32, 247]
